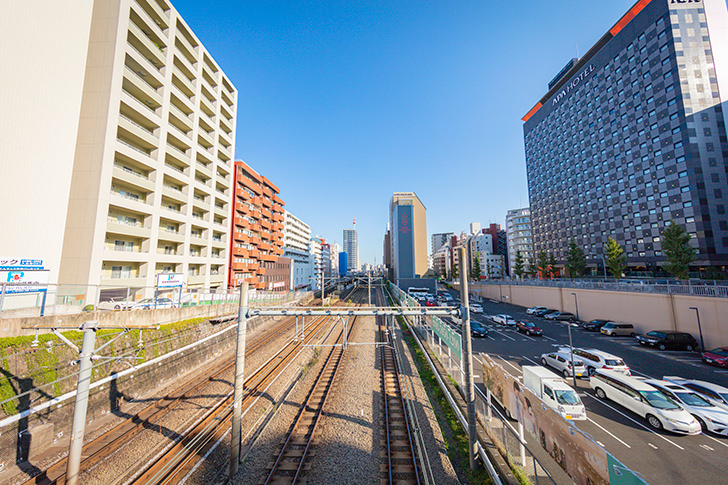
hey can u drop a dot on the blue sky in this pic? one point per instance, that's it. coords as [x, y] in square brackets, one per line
[341, 103]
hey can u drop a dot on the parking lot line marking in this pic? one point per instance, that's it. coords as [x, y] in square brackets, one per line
[531, 361]
[549, 338]
[717, 441]
[721, 371]
[604, 429]
[653, 446]
[529, 338]
[642, 374]
[635, 422]
[600, 443]
[706, 447]
[506, 336]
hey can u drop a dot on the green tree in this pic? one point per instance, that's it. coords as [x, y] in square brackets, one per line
[575, 261]
[518, 265]
[677, 248]
[543, 263]
[552, 266]
[454, 272]
[531, 268]
[476, 269]
[616, 260]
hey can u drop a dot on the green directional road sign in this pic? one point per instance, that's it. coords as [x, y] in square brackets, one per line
[451, 338]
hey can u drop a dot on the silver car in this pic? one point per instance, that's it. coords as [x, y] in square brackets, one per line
[561, 361]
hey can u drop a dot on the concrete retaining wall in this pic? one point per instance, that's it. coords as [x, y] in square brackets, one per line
[13, 327]
[646, 311]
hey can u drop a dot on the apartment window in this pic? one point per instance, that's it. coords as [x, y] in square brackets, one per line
[120, 272]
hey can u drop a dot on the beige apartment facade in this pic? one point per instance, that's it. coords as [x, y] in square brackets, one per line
[146, 188]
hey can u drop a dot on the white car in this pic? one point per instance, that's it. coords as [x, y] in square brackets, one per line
[535, 309]
[596, 359]
[476, 308]
[504, 319]
[562, 362]
[711, 417]
[660, 411]
[714, 393]
[150, 303]
[112, 304]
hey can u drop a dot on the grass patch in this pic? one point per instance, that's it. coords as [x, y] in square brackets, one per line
[456, 439]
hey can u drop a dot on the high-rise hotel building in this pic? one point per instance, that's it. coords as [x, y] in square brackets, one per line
[633, 135]
[116, 144]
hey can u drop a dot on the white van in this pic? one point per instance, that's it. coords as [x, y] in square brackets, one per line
[553, 391]
[660, 411]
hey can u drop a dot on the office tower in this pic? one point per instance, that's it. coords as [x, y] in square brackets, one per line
[351, 248]
[408, 220]
[519, 237]
[632, 135]
[256, 243]
[117, 145]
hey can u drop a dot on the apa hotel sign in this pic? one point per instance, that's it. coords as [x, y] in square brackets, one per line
[573, 84]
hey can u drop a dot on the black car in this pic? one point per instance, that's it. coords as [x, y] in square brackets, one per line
[668, 339]
[594, 325]
[477, 330]
[542, 313]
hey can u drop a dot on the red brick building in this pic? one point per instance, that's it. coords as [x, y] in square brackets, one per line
[256, 238]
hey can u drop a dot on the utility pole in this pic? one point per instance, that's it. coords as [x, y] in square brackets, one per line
[239, 379]
[79, 412]
[468, 360]
[369, 274]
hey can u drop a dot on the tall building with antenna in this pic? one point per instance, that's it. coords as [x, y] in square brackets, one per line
[351, 248]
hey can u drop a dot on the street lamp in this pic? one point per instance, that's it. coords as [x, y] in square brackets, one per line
[571, 344]
[697, 314]
[604, 263]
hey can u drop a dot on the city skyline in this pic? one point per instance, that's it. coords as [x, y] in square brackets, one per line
[319, 113]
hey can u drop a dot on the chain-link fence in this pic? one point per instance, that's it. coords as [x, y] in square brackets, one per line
[28, 300]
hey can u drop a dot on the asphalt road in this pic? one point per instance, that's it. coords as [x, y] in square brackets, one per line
[660, 457]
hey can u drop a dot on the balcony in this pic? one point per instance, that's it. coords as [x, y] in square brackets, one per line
[269, 257]
[204, 156]
[170, 235]
[218, 243]
[139, 135]
[198, 239]
[180, 133]
[224, 151]
[196, 280]
[155, 12]
[183, 102]
[182, 83]
[140, 90]
[174, 193]
[132, 178]
[222, 211]
[224, 112]
[180, 120]
[135, 229]
[178, 155]
[204, 139]
[187, 50]
[144, 45]
[200, 203]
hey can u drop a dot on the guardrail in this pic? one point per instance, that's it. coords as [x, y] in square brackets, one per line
[709, 289]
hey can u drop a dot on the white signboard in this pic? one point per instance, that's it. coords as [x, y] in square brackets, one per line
[24, 281]
[171, 280]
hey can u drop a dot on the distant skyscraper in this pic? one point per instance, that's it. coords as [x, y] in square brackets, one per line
[351, 248]
[408, 220]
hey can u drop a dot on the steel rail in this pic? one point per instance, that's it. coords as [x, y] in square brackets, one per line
[311, 410]
[114, 439]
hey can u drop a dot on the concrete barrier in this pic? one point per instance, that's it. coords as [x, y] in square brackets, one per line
[646, 311]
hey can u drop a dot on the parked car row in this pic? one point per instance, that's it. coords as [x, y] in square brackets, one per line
[148, 303]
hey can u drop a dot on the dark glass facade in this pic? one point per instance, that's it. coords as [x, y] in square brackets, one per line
[632, 136]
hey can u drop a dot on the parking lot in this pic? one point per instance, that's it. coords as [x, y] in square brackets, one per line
[661, 457]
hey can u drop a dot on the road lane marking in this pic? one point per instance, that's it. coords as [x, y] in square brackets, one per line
[635, 422]
[653, 446]
[604, 429]
[706, 447]
[507, 362]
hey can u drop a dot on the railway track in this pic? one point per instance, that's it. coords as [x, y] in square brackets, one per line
[113, 440]
[290, 461]
[398, 453]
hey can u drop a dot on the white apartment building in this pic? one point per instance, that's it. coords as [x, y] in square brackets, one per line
[116, 145]
[519, 237]
[441, 261]
[335, 250]
[316, 262]
[297, 247]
